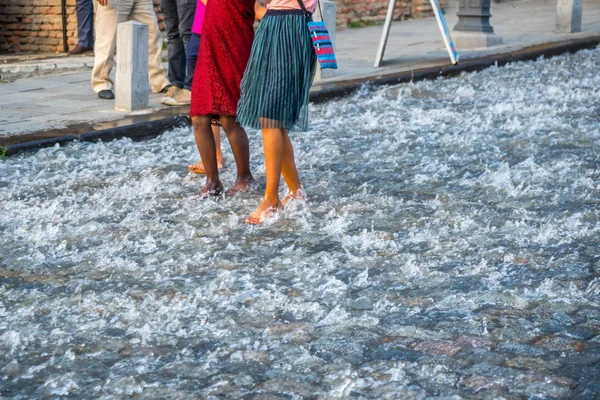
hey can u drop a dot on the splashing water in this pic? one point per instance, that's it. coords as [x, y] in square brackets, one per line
[450, 247]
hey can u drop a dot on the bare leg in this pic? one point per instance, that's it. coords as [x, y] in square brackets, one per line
[290, 171]
[273, 143]
[205, 142]
[199, 168]
[238, 140]
[217, 134]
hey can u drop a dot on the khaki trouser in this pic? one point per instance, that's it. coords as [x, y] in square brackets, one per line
[107, 18]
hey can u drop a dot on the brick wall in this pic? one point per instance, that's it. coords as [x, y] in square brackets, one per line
[36, 25]
[364, 12]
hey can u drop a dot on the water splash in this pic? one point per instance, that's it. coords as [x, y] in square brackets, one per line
[449, 249]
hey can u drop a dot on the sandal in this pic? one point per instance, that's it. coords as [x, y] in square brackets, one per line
[198, 169]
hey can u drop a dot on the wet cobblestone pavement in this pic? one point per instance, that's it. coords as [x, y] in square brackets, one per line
[450, 249]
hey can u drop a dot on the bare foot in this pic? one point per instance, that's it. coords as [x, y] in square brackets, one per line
[199, 168]
[212, 189]
[241, 185]
[264, 210]
[299, 194]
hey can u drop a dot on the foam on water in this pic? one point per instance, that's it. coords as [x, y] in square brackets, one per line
[449, 248]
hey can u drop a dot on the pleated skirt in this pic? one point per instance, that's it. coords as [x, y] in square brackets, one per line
[276, 84]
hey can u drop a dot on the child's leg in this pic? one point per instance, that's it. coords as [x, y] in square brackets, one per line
[238, 140]
[217, 134]
[205, 142]
[273, 143]
[199, 168]
[191, 53]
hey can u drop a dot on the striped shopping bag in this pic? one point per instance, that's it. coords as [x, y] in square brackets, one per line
[320, 39]
[322, 44]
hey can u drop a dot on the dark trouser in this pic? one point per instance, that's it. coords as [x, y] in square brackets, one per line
[179, 17]
[191, 51]
[85, 22]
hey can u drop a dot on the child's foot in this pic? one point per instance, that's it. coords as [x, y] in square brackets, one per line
[241, 185]
[199, 168]
[264, 210]
[299, 194]
[212, 189]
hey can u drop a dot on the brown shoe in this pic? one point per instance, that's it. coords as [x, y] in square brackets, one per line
[179, 98]
[170, 94]
[79, 50]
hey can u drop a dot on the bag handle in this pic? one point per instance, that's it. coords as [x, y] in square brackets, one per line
[307, 15]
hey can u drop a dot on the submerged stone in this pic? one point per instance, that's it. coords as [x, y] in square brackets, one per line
[534, 364]
[449, 250]
[439, 348]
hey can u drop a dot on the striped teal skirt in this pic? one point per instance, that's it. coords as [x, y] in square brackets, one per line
[276, 84]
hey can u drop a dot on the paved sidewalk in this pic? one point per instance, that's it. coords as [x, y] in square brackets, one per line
[58, 101]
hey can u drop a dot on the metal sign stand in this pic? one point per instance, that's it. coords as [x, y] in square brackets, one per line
[441, 22]
[386, 32]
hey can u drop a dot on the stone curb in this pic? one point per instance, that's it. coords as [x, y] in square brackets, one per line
[527, 54]
[13, 72]
[329, 91]
[138, 131]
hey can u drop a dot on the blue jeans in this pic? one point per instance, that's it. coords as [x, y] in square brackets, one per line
[191, 51]
[85, 23]
[179, 18]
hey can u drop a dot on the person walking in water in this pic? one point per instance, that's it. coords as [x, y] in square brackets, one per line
[274, 95]
[191, 52]
[225, 45]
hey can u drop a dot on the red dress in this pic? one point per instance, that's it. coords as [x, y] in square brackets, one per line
[225, 46]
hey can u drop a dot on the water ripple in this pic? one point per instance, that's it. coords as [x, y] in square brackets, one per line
[449, 248]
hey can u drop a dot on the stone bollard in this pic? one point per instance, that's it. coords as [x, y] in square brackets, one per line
[473, 29]
[329, 9]
[568, 16]
[131, 83]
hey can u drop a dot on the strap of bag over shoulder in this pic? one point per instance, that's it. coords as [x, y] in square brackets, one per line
[321, 40]
[307, 15]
